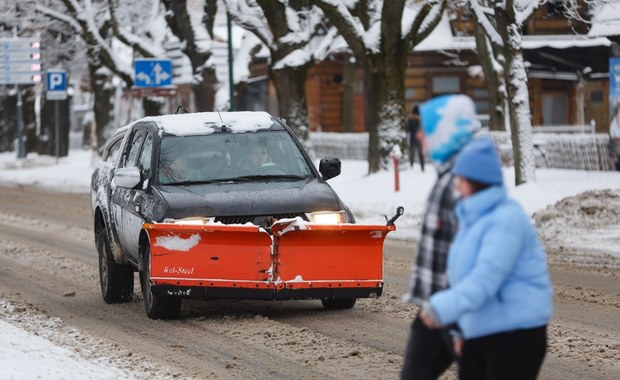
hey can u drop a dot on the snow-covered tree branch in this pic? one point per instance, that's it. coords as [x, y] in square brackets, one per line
[380, 34]
[194, 28]
[289, 29]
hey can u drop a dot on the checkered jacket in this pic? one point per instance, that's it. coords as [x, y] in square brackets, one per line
[439, 226]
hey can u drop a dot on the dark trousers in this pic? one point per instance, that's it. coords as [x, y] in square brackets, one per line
[512, 355]
[416, 148]
[428, 353]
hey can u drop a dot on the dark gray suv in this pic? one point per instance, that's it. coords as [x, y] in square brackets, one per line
[232, 168]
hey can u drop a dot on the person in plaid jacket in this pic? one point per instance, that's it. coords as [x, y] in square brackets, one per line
[448, 124]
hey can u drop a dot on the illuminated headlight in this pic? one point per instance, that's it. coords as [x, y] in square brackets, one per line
[327, 217]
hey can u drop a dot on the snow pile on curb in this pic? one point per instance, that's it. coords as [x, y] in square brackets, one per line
[587, 222]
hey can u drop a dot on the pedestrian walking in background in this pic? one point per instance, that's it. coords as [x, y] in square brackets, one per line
[413, 129]
[448, 123]
[500, 294]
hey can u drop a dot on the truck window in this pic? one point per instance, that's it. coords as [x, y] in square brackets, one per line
[144, 163]
[134, 146]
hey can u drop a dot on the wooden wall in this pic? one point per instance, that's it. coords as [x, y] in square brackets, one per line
[324, 88]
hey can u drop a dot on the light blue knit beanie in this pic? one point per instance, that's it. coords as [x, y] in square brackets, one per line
[479, 162]
[449, 122]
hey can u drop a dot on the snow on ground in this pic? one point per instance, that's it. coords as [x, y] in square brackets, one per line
[370, 197]
[26, 356]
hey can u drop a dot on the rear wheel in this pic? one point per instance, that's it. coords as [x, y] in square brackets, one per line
[116, 280]
[338, 303]
[157, 306]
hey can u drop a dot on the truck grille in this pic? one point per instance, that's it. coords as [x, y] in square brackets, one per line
[264, 221]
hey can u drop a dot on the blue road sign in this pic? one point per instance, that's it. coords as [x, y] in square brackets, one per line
[20, 61]
[56, 81]
[56, 85]
[152, 73]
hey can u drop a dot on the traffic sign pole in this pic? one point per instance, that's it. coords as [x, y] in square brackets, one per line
[56, 131]
[21, 146]
[56, 90]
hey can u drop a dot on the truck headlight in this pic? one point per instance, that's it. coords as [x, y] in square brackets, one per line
[327, 217]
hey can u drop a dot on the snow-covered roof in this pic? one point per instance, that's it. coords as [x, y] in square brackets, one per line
[205, 122]
[563, 41]
[441, 38]
[606, 20]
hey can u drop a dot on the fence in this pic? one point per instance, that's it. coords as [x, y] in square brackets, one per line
[353, 146]
[578, 150]
[565, 128]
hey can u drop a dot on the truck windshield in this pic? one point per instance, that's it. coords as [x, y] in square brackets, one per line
[224, 156]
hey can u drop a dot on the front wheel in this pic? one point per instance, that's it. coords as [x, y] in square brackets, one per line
[157, 306]
[338, 303]
[116, 280]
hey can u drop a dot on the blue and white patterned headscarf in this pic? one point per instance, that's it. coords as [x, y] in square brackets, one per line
[449, 122]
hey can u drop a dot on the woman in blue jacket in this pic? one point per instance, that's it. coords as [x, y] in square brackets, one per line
[500, 294]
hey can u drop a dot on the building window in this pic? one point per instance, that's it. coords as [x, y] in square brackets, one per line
[555, 109]
[596, 96]
[480, 93]
[446, 85]
[482, 106]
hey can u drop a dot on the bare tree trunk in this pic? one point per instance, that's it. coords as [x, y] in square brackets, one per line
[103, 108]
[372, 90]
[290, 87]
[204, 91]
[387, 113]
[518, 98]
[348, 96]
[496, 85]
[179, 21]
[152, 106]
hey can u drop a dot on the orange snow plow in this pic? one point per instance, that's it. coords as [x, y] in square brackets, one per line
[298, 260]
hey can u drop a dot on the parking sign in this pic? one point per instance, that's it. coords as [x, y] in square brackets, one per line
[56, 85]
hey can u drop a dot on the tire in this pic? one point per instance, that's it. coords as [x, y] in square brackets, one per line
[116, 280]
[338, 303]
[157, 306]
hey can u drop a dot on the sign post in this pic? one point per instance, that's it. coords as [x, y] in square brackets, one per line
[20, 63]
[56, 90]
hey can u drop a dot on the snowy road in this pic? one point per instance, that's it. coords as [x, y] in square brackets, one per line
[49, 281]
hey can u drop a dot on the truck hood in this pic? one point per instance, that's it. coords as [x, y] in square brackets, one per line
[269, 197]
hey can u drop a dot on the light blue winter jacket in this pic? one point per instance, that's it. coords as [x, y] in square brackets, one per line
[497, 269]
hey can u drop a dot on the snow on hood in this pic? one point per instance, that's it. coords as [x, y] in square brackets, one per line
[249, 198]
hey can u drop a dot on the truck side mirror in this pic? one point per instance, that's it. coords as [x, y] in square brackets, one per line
[127, 177]
[329, 167]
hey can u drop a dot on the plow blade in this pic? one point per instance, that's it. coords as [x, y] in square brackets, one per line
[299, 260]
[329, 260]
[211, 255]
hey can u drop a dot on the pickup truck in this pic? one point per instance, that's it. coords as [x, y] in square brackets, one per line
[226, 206]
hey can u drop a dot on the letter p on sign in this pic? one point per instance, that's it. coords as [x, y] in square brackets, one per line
[56, 81]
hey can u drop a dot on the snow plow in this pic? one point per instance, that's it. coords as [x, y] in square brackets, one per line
[226, 205]
[298, 260]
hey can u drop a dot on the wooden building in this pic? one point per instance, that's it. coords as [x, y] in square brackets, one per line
[568, 74]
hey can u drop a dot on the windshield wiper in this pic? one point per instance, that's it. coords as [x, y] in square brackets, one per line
[269, 176]
[198, 182]
[244, 178]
